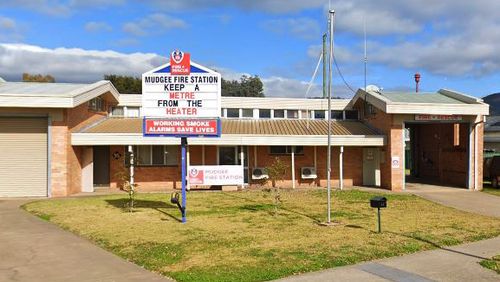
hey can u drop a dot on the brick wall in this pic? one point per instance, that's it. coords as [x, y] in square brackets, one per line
[166, 178]
[387, 124]
[66, 160]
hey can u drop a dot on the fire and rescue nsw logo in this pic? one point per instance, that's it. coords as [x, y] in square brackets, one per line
[180, 63]
[196, 176]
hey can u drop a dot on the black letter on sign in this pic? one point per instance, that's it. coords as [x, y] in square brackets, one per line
[196, 88]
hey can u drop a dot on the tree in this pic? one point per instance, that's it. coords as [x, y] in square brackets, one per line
[125, 84]
[37, 78]
[247, 86]
[277, 171]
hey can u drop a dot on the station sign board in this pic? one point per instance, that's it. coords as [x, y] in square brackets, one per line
[438, 117]
[181, 89]
[216, 175]
[182, 127]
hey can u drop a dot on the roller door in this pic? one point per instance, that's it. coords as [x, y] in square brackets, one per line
[23, 157]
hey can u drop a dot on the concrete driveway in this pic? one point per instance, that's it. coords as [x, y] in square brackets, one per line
[34, 250]
[462, 199]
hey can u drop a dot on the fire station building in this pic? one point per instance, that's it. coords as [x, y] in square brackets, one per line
[58, 139]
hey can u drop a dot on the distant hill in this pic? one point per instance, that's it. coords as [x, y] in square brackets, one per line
[494, 101]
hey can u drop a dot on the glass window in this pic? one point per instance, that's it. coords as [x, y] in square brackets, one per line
[247, 113]
[318, 114]
[292, 114]
[133, 112]
[117, 111]
[279, 113]
[233, 113]
[158, 155]
[264, 113]
[143, 155]
[305, 114]
[277, 150]
[286, 150]
[97, 105]
[171, 154]
[337, 115]
[351, 114]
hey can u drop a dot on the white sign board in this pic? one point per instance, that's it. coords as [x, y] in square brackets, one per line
[181, 89]
[215, 175]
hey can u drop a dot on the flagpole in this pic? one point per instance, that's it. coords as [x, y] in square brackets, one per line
[331, 14]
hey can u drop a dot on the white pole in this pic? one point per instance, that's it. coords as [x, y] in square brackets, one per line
[131, 152]
[293, 167]
[242, 157]
[341, 168]
[329, 167]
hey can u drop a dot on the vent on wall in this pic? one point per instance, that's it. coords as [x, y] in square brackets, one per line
[259, 173]
[308, 173]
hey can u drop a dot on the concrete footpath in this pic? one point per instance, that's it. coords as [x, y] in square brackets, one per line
[458, 263]
[462, 199]
[34, 250]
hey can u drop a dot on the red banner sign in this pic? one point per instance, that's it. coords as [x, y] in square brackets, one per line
[438, 117]
[180, 63]
[182, 127]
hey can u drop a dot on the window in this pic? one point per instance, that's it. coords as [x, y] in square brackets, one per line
[351, 114]
[279, 113]
[337, 115]
[154, 155]
[233, 113]
[97, 105]
[133, 112]
[305, 114]
[319, 114]
[292, 114]
[264, 113]
[117, 111]
[286, 150]
[247, 113]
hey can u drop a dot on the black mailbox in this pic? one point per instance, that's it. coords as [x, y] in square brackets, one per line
[378, 202]
[174, 198]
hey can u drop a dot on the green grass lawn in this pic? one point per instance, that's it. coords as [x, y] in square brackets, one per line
[236, 236]
[492, 191]
[493, 263]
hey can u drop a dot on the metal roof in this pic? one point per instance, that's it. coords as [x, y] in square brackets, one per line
[492, 124]
[45, 89]
[250, 127]
[430, 98]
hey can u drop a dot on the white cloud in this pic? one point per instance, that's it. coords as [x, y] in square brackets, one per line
[154, 23]
[305, 28]
[79, 65]
[59, 7]
[272, 6]
[72, 64]
[98, 27]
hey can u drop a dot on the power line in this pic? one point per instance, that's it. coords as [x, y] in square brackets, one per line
[342, 76]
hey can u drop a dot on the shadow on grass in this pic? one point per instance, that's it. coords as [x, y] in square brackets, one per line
[145, 204]
[259, 204]
[419, 238]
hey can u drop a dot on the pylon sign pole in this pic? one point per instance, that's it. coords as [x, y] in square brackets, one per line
[183, 176]
[181, 99]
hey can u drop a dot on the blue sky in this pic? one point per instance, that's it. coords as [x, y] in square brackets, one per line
[453, 44]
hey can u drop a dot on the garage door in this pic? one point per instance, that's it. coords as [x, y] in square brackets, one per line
[23, 157]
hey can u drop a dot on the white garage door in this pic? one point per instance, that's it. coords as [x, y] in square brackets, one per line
[23, 157]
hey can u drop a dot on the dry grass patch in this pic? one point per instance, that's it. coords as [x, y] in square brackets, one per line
[234, 236]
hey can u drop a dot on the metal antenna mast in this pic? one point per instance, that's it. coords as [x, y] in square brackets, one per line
[331, 14]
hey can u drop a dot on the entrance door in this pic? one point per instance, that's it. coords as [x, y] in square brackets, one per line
[230, 155]
[101, 165]
[371, 167]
